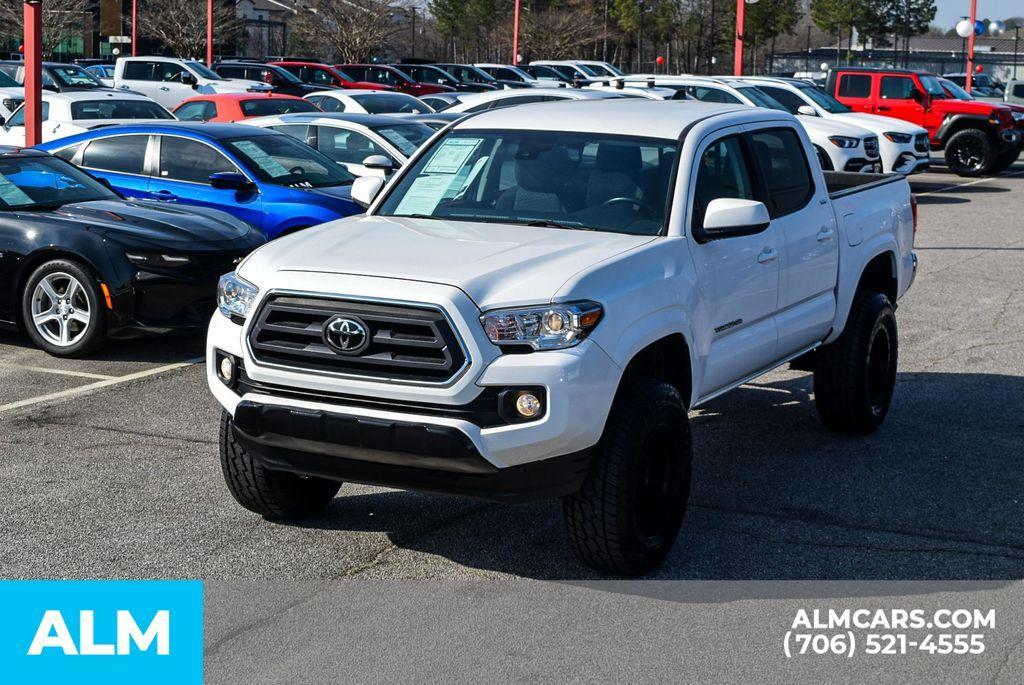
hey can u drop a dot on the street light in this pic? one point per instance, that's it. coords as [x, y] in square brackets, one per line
[737, 67]
[33, 49]
[515, 35]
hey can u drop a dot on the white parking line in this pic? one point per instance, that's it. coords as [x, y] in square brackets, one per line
[99, 385]
[954, 186]
[62, 372]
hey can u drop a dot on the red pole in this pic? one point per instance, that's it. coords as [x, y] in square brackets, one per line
[970, 47]
[737, 67]
[209, 32]
[33, 72]
[134, 15]
[515, 35]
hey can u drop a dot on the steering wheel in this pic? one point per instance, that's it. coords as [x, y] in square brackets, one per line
[639, 204]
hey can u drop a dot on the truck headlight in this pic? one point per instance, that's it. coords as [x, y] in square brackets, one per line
[844, 141]
[901, 138]
[235, 295]
[547, 327]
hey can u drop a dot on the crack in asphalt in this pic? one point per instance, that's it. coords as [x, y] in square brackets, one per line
[43, 422]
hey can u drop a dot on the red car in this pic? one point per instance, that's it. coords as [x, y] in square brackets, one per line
[327, 76]
[237, 106]
[978, 137]
[396, 79]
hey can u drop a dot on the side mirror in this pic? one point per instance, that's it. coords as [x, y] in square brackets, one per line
[806, 110]
[188, 78]
[229, 180]
[365, 189]
[727, 217]
[379, 163]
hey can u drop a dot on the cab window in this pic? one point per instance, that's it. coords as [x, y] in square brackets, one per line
[855, 86]
[787, 177]
[18, 118]
[897, 88]
[138, 71]
[722, 173]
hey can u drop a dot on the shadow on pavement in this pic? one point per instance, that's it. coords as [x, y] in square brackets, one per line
[158, 349]
[936, 494]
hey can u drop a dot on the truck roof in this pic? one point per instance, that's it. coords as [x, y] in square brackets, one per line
[666, 119]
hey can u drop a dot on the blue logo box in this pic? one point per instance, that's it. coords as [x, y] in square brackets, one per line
[101, 631]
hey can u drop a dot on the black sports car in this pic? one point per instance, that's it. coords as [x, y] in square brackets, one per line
[78, 263]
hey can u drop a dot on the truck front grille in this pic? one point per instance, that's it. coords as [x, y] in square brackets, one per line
[871, 147]
[407, 343]
[921, 143]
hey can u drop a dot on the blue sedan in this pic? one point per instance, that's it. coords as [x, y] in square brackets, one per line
[268, 179]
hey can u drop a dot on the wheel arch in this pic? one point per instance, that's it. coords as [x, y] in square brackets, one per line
[36, 259]
[955, 123]
[880, 272]
[669, 359]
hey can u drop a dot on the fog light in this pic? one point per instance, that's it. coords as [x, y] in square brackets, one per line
[528, 405]
[226, 368]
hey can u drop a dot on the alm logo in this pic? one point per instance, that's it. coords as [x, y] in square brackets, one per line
[53, 633]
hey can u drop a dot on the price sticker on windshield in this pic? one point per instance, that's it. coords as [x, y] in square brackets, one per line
[451, 155]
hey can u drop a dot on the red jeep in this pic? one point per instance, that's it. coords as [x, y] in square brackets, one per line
[978, 137]
[327, 76]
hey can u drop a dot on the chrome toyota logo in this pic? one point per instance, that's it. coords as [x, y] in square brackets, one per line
[346, 335]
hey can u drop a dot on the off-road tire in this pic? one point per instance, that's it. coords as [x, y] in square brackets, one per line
[855, 375]
[973, 142]
[624, 520]
[274, 494]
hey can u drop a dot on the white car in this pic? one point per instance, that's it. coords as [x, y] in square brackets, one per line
[353, 139]
[840, 146]
[636, 90]
[496, 99]
[531, 307]
[509, 72]
[355, 101]
[65, 114]
[574, 70]
[904, 146]
[169, 80]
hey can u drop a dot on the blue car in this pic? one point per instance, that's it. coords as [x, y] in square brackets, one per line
[267, 179]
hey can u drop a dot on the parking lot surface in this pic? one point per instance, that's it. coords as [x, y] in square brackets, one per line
[110, 465]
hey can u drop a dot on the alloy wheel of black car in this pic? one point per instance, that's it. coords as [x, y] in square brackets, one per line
[61, 309]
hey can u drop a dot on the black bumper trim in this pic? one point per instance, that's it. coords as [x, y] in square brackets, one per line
[397, 454]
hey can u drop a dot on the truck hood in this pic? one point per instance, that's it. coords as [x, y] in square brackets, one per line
[497, 265]
[880, 124]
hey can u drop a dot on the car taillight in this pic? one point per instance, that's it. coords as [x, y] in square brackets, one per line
[913, 209]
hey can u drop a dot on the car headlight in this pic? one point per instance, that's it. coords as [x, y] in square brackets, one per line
[901, 138]
[844, 141]
[546, 327]
[158, 260]
[235, 295]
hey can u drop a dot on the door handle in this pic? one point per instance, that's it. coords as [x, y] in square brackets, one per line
[767, 255]
[884, 108]
[825, 234]
[123, 87]
[164, 88]
[165, 195]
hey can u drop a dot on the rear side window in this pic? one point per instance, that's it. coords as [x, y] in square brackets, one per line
[348, 147]
[791, 101]
[855, 86]
[118, 109]
[787, 177]
[201, 110]
[722, 173]
[896, 88]
[123, 154]
[138, 71]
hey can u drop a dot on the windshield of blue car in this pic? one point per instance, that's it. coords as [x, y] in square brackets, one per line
[73, 76]
[118, 109]
[204, 71]
[406, 137]
[824, 100]
[550, 179]
[390, 103]
[282, 160]
[39, 183]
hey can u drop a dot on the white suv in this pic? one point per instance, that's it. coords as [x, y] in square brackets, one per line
[169, 80]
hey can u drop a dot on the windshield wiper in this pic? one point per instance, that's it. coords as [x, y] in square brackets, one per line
[547, 223]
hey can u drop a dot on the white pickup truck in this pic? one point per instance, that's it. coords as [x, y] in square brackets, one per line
[532, 305]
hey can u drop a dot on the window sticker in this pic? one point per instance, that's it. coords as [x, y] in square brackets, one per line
[425, 194]
[262, 159]
[451, 155]
[12, 194]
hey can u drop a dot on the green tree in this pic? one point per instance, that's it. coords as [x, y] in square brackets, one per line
[768, 19]
[836, 17]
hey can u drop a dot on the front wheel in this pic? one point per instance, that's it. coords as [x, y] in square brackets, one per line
[61, 309]
[627, 515]
[855, 376]
[970, 153]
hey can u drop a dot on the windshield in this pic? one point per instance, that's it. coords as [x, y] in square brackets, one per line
[932, 85]
[824, 100]
[390, 103]
[567, 73]
[118, 109]
[284, 161]
[590, 70]
[46, 183]
[545, 73]
[555, 179]
[203, 71]
[73, 76]
[6, 81]
[406, 137]
[955, 90]
[761, 98]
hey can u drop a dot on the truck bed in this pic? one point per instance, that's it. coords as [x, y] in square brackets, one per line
[843, 183]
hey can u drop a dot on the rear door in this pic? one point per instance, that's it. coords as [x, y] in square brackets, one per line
[138, 75]
[121, 160]
[855, 91]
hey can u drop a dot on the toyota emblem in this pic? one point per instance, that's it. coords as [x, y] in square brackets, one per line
[346, 335]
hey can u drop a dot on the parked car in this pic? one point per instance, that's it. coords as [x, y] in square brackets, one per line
[478, 102]
[353, 140]
[79, 264]
[431, 73]
[570, 71]
[238, 106]
[368, 102]
[904, 147]
[65, 114]
[469, 74]
[442, 101]
[169, 80]
[1014, 92]
[12, 94]
[57, 76]
[638, 89]
[267, 179]
[277, 77]
[560, 285]
[974, 136]
[104, 72]
[542, 73]
[509, 72]
[323, 76]
[437, 120]
[395, 79]
[982, 85]
[1017, 111]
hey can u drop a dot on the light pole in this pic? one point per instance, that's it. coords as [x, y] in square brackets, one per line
[33, 46]
[1016, 44]
[135, 13]
[970, 47]
[209, 32]
[515, 35]
[737, 65]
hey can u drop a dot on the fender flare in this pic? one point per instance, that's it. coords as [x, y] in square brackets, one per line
[954, 120]
[877, 245]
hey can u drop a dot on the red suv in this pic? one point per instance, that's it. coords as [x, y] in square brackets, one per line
[394, 78]
[326, 76]
[977, 137]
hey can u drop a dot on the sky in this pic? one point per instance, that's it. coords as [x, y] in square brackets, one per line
[950, 11]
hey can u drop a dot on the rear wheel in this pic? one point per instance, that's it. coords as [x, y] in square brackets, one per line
[970, 153]
[61, 309]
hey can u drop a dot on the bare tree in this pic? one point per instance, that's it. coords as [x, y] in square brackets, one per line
[62, 20]
[354, 30]
[181, 25]
[563, 30]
